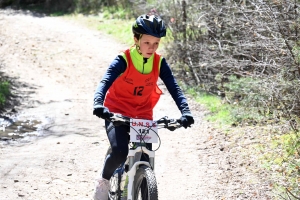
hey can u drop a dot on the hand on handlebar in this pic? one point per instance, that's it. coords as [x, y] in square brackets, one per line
[164, 122]
[187, 120]
[102, 112]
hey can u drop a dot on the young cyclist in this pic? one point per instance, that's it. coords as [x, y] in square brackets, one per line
[129, 87]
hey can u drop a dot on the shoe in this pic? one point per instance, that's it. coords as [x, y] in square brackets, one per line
[101, 189]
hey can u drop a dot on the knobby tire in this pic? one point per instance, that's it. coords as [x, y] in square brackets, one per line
[145, 185]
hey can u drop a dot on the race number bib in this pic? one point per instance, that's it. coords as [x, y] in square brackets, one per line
[142, 130]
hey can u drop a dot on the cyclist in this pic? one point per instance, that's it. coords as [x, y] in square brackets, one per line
[129, 87]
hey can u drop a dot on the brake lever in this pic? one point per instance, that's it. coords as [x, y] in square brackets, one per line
[118, 119]
[173, 124]
[163, 120]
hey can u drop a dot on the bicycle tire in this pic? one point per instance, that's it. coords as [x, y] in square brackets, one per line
[145, 185]
[115, 192]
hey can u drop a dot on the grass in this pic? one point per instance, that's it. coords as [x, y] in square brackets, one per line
[119, 29]
[4, 92]
[219, 111]
[280, 156]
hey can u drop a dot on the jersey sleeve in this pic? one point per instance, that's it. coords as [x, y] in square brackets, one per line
[169, 80]
[115, 69]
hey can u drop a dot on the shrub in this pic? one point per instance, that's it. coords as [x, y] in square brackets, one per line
[4, 92]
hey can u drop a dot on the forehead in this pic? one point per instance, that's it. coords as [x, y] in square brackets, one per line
[149, 38]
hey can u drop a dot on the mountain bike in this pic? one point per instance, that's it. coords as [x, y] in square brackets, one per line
[135, 178]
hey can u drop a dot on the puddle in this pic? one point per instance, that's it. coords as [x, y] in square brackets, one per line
[12, 129]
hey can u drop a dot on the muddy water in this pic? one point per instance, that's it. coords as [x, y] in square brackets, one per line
[12, 129]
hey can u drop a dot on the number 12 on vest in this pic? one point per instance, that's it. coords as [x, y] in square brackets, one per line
[138, 91]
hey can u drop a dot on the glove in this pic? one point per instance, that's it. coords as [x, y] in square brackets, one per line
[187, 120]
[102, 112]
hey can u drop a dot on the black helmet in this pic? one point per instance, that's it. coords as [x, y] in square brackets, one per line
[150, 25]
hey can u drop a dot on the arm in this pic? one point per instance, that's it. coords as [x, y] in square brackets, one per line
[169, 80]
[116, 68]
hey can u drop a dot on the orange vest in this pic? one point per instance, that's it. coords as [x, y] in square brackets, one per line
[134, 94]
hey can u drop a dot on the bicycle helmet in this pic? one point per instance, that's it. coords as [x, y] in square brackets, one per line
[150, 25]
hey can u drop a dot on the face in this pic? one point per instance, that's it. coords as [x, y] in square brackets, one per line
[148, 45]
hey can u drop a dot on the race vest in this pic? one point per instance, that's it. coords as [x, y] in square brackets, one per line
[134, 94]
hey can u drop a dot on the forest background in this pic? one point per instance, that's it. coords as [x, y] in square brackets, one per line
[240, 58]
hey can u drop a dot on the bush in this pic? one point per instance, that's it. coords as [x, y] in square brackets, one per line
[4, 92]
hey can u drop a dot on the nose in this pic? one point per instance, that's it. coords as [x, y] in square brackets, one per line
[151, 46]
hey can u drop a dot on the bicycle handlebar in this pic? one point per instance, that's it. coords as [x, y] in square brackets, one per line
[164, 122]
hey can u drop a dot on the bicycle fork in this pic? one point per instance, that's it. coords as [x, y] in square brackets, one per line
[133, 161]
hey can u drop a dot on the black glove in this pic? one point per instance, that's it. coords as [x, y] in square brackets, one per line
[187, 120]
[102, 112]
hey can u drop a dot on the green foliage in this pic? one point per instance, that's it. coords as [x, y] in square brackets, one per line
[248, 104]
[4, 92]
[296, 52]
[115, 13]
[57, 14]
[4, 3]
[241, 88]
[223, 113]
[86, 6]
[120, 29]
[283, 158]
[247, 92]
[268, 101]
[219, 112]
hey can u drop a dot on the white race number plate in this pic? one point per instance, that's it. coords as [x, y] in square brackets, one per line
[143, 130]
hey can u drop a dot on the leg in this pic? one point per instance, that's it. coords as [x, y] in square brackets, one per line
[118, 138]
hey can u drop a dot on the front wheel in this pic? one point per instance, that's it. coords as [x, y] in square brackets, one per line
[115, 192]
[145, 185]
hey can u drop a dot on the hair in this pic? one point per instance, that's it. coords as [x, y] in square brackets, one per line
[137, 36]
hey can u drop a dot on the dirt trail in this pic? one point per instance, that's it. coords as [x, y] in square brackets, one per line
[59, 64]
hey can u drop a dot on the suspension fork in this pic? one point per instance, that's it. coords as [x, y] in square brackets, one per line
[134, 164]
